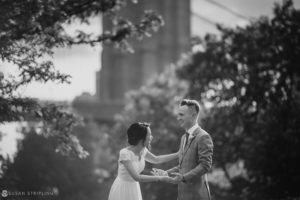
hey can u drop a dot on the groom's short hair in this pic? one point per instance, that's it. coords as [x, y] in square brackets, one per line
[191, 103]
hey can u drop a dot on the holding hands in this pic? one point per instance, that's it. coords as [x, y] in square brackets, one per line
[164, 176]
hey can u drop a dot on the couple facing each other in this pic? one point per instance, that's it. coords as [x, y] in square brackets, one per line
[194, 156]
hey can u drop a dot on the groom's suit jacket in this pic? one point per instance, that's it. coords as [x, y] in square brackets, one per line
[195, 161]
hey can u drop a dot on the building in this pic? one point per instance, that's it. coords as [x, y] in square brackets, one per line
[122, 72]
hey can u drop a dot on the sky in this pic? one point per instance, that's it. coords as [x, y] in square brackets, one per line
[82, 62]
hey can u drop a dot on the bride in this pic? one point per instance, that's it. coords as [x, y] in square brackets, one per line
[132, 162]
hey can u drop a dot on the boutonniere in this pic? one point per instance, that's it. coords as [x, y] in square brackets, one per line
[192, 136]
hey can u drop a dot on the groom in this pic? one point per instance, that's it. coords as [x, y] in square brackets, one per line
[195, 155]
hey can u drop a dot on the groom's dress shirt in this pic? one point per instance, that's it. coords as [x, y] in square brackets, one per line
[190, 132]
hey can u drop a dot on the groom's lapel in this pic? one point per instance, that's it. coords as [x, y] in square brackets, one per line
[197, 131]
[181, 149]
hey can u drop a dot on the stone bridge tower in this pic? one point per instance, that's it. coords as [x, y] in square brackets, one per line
[121, 72]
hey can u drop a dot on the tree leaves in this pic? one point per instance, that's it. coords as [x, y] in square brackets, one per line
[30, 30]
[249, 77]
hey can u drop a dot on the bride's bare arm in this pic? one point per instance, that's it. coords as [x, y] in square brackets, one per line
[150, 157]
[140, 177]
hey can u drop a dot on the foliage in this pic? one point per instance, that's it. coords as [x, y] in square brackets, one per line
[65, 178]
[249, 77]
[30, 30]
[54, 121]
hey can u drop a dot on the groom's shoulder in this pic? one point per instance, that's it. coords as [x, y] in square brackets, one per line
[202, 133]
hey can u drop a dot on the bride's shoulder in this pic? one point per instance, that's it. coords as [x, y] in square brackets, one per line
[145, 151]
[125, 154]
[124, 150]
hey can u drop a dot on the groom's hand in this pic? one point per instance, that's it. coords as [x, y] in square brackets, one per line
[177, 178]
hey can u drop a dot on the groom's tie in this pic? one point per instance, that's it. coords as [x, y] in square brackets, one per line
[186, 140]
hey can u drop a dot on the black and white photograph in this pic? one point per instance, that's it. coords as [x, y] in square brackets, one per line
[149, 99]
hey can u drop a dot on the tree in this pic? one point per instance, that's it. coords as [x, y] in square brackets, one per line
[36, 167]
[29, 32]
[249, 76]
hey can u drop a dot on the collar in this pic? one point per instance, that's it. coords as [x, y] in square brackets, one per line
[192, 129]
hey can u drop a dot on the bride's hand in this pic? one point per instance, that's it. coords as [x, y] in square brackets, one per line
[168, 179]
[159, 172]
[164, 178]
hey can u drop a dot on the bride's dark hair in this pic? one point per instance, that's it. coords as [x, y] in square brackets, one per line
[136, 132]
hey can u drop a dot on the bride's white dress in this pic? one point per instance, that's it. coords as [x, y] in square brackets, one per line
[125, 187]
